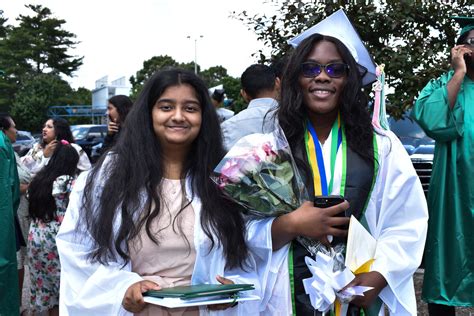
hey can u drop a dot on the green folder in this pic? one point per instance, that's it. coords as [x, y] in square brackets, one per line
[199, 290]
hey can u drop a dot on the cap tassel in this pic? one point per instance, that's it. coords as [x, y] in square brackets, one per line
[379, 116]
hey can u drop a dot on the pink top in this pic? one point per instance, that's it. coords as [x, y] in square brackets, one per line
[171, 262]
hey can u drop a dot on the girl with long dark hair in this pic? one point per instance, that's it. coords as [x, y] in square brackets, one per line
[324, 115]
[117, 111]
[148, 216]
[54, 130]
[48, 195]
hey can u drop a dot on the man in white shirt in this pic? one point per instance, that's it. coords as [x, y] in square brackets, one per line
[260, 87]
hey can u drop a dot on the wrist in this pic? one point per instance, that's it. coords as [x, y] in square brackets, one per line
[288, 225]
[459, 73]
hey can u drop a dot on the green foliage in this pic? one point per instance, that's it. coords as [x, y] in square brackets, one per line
[232, 89]
[152, 65]
[33, 98]
[37, 45]
[81, 96]
[214, 75]
[412, 38]
[45, 43]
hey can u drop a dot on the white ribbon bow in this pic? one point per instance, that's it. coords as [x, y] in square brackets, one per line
[325, 283]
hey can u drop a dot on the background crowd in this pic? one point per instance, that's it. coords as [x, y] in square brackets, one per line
[147, 215]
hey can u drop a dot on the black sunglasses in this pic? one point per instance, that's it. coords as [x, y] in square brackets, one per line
[311, 69]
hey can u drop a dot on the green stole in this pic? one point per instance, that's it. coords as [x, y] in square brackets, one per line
[356, 188]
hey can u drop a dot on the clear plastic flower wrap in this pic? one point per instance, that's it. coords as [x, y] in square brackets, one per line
[259, 173]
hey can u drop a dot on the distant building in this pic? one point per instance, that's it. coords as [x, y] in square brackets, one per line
[103, 91]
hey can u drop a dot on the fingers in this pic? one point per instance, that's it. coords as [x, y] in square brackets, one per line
[49, 149]
[148, 285]
[133, 299]
[336, 209]
[223, 280]
[337, 232]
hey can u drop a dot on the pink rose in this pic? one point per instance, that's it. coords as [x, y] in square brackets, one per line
[232, 170]
[268, 149]
[51, 256]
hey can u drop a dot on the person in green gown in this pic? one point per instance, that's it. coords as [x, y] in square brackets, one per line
[9, 200]
[445, 110]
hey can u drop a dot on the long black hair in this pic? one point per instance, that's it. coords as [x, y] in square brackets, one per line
[123, 104]
[292, 112]
[41, 202]
[62, 130]
[136, 166]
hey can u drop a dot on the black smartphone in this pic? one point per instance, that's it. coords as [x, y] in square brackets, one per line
[324, 201]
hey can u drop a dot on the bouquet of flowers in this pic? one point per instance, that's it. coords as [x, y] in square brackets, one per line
[260, 174]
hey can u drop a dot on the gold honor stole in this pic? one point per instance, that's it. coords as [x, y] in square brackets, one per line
[316, 159]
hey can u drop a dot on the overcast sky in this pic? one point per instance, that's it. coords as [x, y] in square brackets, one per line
[117, 36]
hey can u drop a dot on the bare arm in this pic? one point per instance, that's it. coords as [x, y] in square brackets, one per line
[459, 65]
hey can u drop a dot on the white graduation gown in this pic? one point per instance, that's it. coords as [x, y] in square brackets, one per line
[93, 289]
[397, 217]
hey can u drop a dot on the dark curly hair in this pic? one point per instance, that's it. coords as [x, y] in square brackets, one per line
[353, 104]
[61, 129]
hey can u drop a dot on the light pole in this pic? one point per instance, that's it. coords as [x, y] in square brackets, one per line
[195, 51]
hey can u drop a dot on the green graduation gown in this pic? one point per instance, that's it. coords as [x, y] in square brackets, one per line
[449, 253]
[9, 199]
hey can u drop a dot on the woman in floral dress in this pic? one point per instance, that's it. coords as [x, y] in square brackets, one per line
[48, 195]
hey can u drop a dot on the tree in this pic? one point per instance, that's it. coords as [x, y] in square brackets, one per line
[214, 75]
[152, 65]
[232, 90]
[36, 94]
[37, 45]
[7, 85]
[44, 43]
[412, 38]
[81, 96]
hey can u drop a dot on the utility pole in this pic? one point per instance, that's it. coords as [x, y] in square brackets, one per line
[195, 51]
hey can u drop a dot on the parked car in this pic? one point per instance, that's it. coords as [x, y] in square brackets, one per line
[96, 152]
[89, 135]
[419, 146]
[24, 142]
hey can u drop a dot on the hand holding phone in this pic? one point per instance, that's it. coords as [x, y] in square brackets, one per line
[326, 201]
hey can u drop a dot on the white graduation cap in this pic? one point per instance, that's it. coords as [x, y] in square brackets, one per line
[338, 25]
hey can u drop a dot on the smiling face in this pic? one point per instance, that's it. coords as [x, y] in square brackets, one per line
[177, 116]
[322, 93]
[48, 132]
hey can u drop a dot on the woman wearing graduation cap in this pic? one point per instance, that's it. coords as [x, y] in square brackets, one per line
[444, 109]
[324, 115]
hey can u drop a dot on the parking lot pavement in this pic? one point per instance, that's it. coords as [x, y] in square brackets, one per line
[423, 307]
